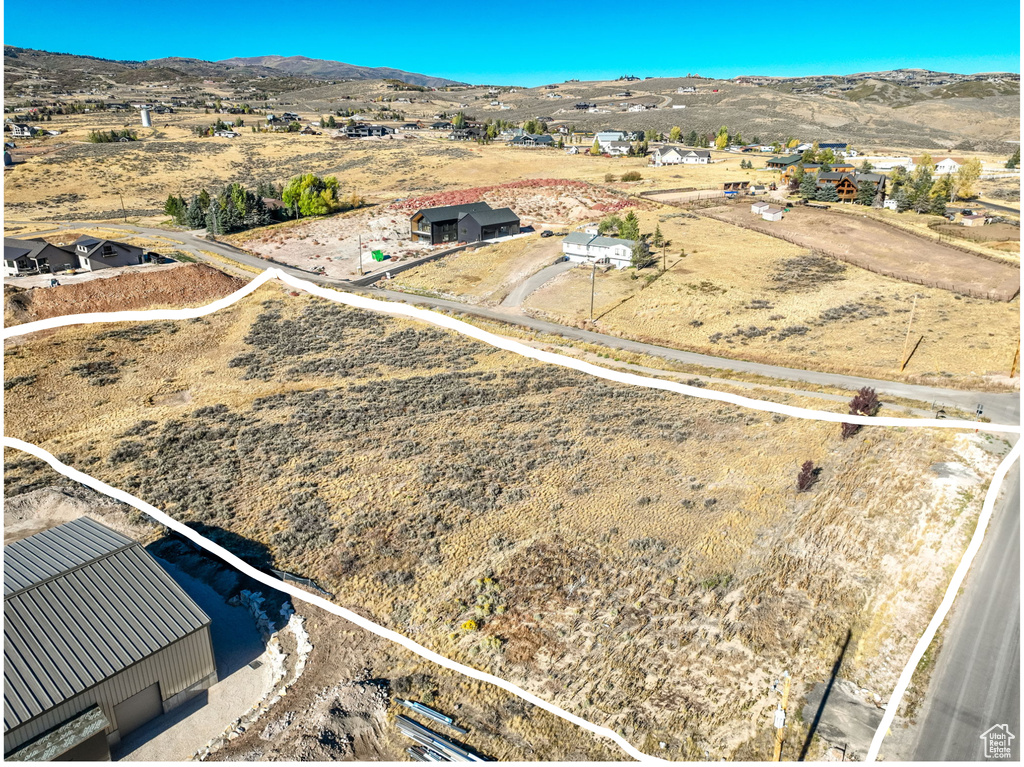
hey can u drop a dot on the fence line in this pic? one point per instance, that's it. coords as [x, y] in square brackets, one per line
[991, 295]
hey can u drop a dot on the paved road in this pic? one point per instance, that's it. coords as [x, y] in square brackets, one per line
[1000, 408]
[976, 682]
[1003, 208]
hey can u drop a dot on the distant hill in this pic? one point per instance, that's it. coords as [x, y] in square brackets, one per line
[321, 69]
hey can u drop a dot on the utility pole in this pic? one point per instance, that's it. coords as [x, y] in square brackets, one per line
[780, 719]
[593, 275]
[903, 357]
[123, 214]
[360, 254]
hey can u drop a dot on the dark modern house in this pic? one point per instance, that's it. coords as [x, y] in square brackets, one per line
[472, 222]
[98, 640]
[362, 131]
[94, 253]
[35, 256]
[467, 134]
[531, 140]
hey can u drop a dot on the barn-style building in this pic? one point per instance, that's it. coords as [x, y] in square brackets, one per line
[99, 640]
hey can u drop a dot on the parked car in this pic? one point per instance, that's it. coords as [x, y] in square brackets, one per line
[547, 233]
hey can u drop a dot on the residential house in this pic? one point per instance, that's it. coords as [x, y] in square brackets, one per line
[480, 225]
[781, 163]
[462, 223]
[226, 134]
[583, 106]
[606, 137]
[686, 89]
[363, 130]
[94, 253]
[759, 207]
[467, 134]
[771, 213]
[309, 130]
[946, 166]
[411, 126]
[35, 256]
[617, 148]
[531, 140]
[587, 248]
[847, 184]
[836, 147]
[443, 125]
[673, 155]
[20, 130]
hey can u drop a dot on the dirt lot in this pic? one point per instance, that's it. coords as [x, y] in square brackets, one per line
[174, 287]
[343, 708]
[484, 275]
[883, 249]
[988, 233]
[333, 242]
[495, 520]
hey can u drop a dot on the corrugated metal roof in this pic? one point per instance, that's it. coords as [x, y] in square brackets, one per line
[83, 604]
[57, 550]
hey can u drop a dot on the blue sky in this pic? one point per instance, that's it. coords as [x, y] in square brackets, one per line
[505, 43]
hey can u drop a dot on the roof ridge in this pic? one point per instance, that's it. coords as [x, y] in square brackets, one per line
[62, 573]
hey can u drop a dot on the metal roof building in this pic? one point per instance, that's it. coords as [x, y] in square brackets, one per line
[98, 640]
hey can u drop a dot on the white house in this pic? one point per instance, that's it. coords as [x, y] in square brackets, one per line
[673, 155]
[226, 134]
[20, 130]
[759, 207]
[606, 137]
[771, 214]
[586, 248]
[617, 148]
[949, 165]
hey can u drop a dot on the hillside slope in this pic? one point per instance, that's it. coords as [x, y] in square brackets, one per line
[322, 69]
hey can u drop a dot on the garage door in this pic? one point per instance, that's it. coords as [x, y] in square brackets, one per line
[138, 709]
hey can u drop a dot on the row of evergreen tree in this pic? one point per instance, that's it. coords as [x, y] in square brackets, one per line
[236, 208]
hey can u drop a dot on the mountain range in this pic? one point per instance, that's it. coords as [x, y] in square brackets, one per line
[321, 69]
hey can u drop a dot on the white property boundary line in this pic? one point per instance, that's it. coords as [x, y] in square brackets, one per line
[516, 347]
[508, 344]
[313, 599]
[947, 602]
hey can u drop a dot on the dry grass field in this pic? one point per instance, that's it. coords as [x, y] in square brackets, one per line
[738, 293]
[638, 557]
[66, 177]
[884, 249]
[481, 275]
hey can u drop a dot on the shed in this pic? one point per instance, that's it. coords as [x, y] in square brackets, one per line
[99, 640]
[771, 213]
[759, 207]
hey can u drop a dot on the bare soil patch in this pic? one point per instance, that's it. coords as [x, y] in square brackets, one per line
[988, 233]
[178, 287]
[883, 249]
